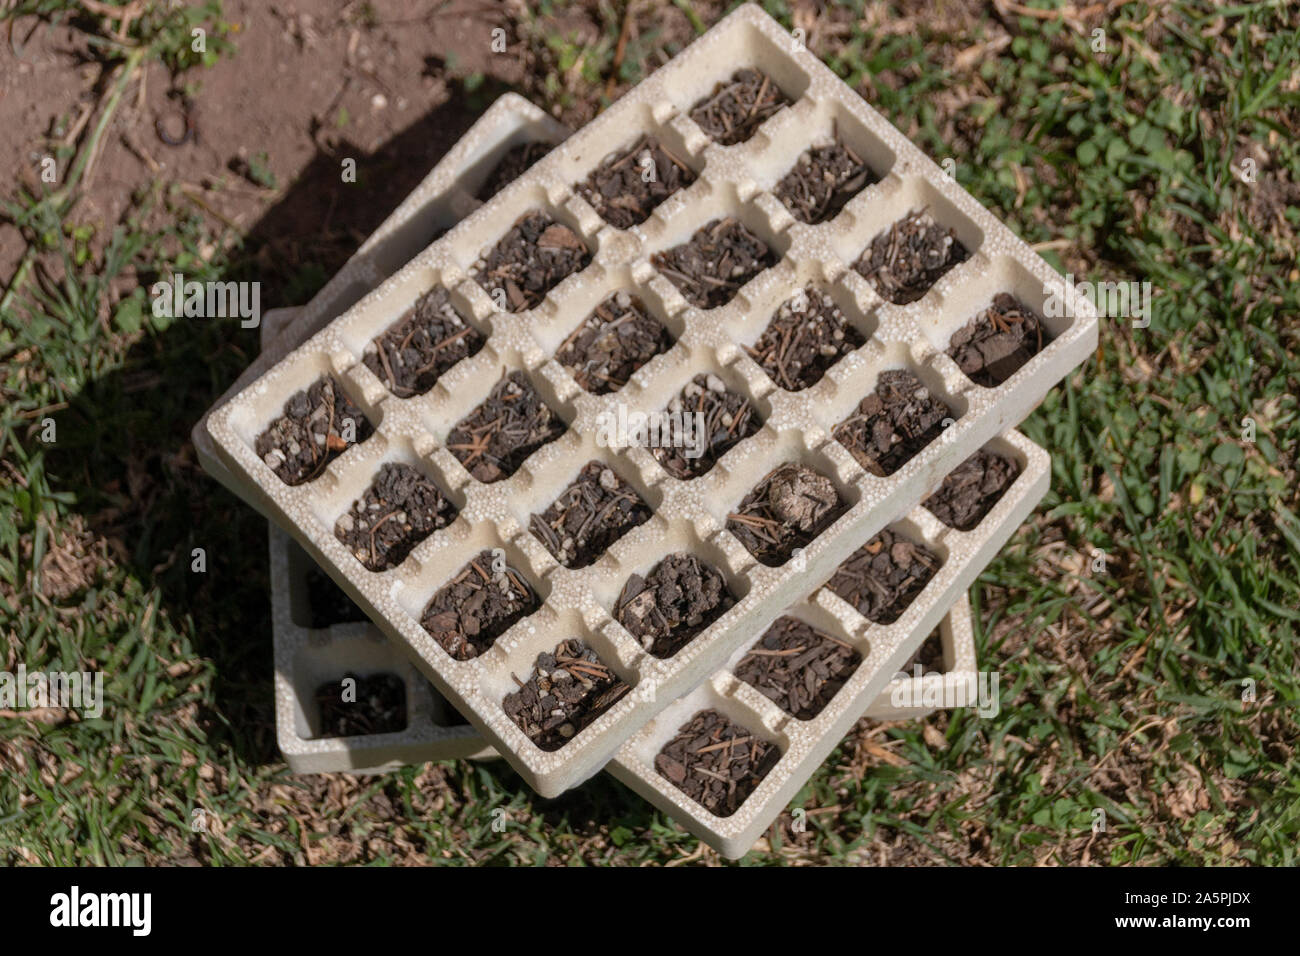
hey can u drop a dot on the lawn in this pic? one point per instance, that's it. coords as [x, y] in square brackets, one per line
[1144, 622]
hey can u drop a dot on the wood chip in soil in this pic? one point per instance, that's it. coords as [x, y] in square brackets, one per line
[738, 107]
[512, 423]
[592, 513]
[567, 690]
[628, 186]
[711, 268]
[992, 347]
[677, 600]
[798, 667]
[822, 182]
[400, 509]
[784, 511]
[430, 338]
[884, 576]
[716, 762]
[318, 425]
[529, 261]
[904, 262]
[892, 423]
[729, 418]
[970, 490]
[378, 707]
[615, 340]
[327, 603]
[808, 334]
[517, 161]
[477, 606]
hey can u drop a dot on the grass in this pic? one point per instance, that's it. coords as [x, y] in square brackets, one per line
[1122, 687]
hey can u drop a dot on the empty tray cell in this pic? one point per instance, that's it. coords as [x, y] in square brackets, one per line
[712, 420]
[567, 690]
[529, 261]
[512, 422]
[715, 762]
[822, 182]
[893, 423]
[356, 705]
[318, 425]
[786, 510]
[739, 106]
[903, 262]
[516, 161]
[483, 601]
[992, 347]
[629, 185]
[327, 603]
[808, 334]
[429, 338]
[592, 513]
[677, 600]
[615, 340]
[884, 576]
[970, 490]
[717, 261]
[400, 509]
[929, 656]
[798, 667]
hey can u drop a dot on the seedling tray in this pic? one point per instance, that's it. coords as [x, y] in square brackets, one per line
[730, 182]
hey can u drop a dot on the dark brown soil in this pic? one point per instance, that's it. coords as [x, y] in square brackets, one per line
[717, 261]
[715, 762]
[929, 655]
[884, 576]
[512, 423]
[729, 419]
[808, 334]
[913, 255]
[596, 510]
[312, 432]
[992, 347]
[430, 338]
[737, 108]
[400, 509]
[477, 606]
[379, 708]
[822, 182]
[676, 601]
[798, 667]
[970, 490]
[567, 690]
[615, 340]
[628, 186]
[517, 161]
[786, 510]
[530, 260]
[327, 603]
[892, 423]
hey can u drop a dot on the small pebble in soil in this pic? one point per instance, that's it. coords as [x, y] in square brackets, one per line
[738, 107]
[715, 762]
[729, 418]
[372, 705]
[822, 182]
[628, 186]
[992, 347]
[530, 260]
[511, 423]
[911, 256]
[569, 689]
[798, 667]
[477, 606]
[786, 510]
[720, 257]
[429, 338]
[808, 334]
[892, 423]
[616, 339]
[970, 490]
[399, 510]
[516, 162]
[591, 514]
[677, 600]
[319, 423]
[884, 576]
